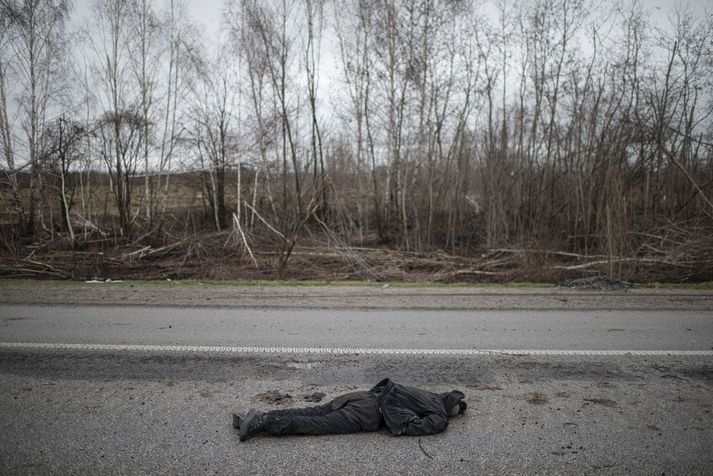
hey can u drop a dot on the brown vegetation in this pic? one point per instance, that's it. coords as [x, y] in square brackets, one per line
[546, 141]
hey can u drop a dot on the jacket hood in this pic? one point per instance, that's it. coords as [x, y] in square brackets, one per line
[451, 399]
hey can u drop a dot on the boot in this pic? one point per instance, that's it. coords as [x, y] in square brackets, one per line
[238, 419]
[252, 424]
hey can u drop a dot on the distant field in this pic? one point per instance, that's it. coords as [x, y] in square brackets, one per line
[93, 199]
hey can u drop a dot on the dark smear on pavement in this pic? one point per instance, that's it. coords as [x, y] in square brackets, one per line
[315, 397]
[274, 397]
[536, 398]
[607, 402]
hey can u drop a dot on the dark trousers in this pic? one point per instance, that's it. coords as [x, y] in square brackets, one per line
[331, 418]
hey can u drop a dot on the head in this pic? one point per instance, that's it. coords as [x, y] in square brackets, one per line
[458, 409]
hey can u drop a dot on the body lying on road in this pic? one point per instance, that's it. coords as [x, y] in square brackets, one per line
[404, 410]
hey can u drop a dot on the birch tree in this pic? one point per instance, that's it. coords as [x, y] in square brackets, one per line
[34, 35]
[121, 124]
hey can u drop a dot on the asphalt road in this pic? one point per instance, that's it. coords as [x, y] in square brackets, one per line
[152, 411]
[422, 329]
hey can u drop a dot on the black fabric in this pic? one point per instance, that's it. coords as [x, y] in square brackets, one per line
[413, 411]
[405, 410]
[357, 411]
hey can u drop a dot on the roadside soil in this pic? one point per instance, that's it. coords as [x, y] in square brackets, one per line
[217, 256]
[168, 294]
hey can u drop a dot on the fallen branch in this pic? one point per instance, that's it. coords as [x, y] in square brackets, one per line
[85, 223]
[236, 224]
[148, 250]
[348, 252]
[622, 260]
[264, 221]
[21, 266]
[549, 252]
[140, 253]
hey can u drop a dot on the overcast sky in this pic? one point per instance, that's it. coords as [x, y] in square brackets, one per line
[207, 13]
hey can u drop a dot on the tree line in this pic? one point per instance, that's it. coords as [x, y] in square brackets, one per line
[457, 125]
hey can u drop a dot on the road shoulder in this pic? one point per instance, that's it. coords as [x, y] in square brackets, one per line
[353, 297]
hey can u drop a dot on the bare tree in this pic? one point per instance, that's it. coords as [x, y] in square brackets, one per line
[214, 135]
[534, 128]
[181, 37]
[314, 16]
[63, 149]
[145, 62]
[268, 22]
[35, 37]
[6, 134]
[354, 45]
[121, 124]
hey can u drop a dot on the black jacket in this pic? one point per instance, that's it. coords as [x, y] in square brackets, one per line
[412, 411]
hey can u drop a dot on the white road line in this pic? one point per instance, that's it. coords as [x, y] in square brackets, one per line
[201, 349]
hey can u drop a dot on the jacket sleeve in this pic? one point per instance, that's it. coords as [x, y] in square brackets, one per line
[407, 422]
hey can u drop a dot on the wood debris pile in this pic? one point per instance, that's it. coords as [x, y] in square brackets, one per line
[672, 255]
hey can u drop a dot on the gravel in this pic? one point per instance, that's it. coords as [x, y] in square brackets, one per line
[353, 297]
[601, 283]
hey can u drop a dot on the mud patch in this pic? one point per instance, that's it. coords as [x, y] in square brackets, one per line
[607, 402]
[483, 386]
[274, 397]
[207, 392]
[315, 397]
[536, 398]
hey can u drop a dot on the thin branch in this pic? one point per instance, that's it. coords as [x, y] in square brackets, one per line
[263, 220]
